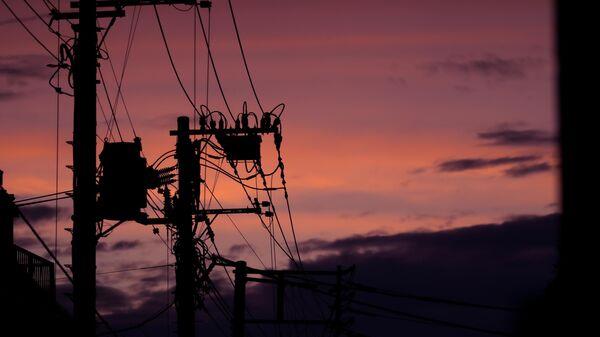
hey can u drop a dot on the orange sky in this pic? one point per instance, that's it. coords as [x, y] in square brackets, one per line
[378, 95]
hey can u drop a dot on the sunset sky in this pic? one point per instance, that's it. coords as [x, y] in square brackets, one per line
[400, 116]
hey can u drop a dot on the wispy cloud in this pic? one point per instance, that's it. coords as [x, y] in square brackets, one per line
[527, 169]
[41, 212]
[6, 95]
[119, 245]
[465, 164]
[488, 66]
[18, 69]
[508, 136]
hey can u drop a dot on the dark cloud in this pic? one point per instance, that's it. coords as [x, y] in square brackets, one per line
[111, 299]
[515, 137]
[488, 66]
[119, 245]
[465, 164]
[503, 264]
[237, 250]
[6, 95]
[40, 212]
[14, 21]
[527, 169]
[17, 69]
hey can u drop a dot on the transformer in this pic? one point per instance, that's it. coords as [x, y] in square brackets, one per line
[122, 184]
[244, 147]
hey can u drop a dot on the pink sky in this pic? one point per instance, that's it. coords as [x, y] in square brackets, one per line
[378, 94]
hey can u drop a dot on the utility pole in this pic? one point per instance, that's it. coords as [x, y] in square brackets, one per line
[184, 247]
[239, 299]
[84, 171]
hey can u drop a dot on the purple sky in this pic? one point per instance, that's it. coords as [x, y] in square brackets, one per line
[401, 115]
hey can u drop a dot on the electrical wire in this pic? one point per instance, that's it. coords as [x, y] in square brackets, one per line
[43, 196]
[131, 36]
[369, 289]
[29, 31]
[42, 201]
[212, 62]
[112, 110]
[62, 268]
[171, 61]
[236, 228]
[239, 40]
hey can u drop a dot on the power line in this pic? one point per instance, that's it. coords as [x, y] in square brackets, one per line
[239, 40]
[145, 321]
[172, 62]
[212, 61]
[365, 288]
[112, 110]
[236, 228]
[42, 201]
[29, 31]
[424, 319]
[44, 196]
[131, 35]
[62, 268]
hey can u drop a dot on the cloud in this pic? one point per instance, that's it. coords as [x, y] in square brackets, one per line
[109, 299]
[119, 245]
[498, 263]
[17, 69]
[6, 95]
[503, 264]
[40, 212]
[465, 164]
[527, 169]
[14, 21]
[488, 66]
[508, 136]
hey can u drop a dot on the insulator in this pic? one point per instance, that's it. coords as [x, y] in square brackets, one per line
[245, 124]
[278, 139]
[202, 122]
[276, 122]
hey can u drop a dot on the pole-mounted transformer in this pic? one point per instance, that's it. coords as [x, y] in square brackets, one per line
[123, 181]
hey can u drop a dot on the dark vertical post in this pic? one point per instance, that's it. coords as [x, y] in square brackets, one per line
[575, 28]
[280, 297]
[84, 172]
[337, 306]
[239, 299]
[184, 247]
[7, 251]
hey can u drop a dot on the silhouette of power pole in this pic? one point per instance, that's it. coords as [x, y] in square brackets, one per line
[85, 215]
[281, 280]
[186, 213]
[84, 172]
[184, 247]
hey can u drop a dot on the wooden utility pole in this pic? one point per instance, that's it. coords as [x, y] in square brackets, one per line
[239, 299]
[84, 172]
[184, 247]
